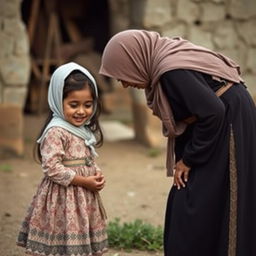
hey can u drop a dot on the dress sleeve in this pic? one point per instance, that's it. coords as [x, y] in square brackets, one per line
[97, 168]
[52, 151]
[191, 95]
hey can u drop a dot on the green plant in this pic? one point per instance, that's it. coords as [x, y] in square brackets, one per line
[154, 152]
[135, 235]
[5, 168]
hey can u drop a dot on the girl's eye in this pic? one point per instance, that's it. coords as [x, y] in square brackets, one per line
[88, 105]
[73, 105]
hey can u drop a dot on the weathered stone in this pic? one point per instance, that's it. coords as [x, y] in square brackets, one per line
[247, 30]
[187, 11]
[21, 46]
[11, 127]
[13, 27]
[15, 96]
[10, 8]
[218, 1]
[114, 130]
[250, 81]
[251, 61]
[15, 70]
[157, 13]
[137, 10]
[242, 9]
[1, 89]
[173, 30]
[212, 12]
[198, 36]
[119, 10]
[238, 55]
[6, 45]
[225, 36]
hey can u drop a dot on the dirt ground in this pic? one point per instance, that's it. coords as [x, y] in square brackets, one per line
[137, 187]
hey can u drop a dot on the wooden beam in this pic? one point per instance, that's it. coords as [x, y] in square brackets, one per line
[33, 19]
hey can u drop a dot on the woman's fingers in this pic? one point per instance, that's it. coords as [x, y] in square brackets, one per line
[186, 173]
[178, 179]
[181, 174]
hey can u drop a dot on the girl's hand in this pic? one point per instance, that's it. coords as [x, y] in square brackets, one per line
[181, 174]
[95, 182]
[99, 174]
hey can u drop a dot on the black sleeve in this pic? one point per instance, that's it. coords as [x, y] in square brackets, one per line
[189, 94]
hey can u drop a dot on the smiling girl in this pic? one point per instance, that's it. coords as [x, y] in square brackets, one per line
[66, 216]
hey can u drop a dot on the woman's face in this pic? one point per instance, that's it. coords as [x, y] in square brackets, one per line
[128, 84]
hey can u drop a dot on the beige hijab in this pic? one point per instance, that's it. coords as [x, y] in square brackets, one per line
[141, 57]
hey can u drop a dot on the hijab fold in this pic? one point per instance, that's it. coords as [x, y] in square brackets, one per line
[141, 57]
[55, 101]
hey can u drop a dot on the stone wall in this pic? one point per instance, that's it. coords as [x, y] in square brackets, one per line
[226, 26]
[14, 75]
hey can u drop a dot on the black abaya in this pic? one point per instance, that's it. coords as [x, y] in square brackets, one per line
[198, 219]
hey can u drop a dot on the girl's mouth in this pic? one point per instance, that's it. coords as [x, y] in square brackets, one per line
[80, 119]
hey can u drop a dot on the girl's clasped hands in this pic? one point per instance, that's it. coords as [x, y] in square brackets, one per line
[95, 182]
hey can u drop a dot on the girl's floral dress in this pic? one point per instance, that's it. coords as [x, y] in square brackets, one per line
[64, 220]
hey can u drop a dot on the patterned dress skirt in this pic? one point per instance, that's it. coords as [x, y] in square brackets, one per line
[64, 220]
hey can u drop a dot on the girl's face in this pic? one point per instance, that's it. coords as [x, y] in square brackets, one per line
[78, 106]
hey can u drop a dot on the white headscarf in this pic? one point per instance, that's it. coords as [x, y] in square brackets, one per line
[55, 101]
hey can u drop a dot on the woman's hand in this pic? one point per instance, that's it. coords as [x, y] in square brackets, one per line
[181, 174]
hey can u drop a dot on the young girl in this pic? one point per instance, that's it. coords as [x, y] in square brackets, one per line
[66, 217]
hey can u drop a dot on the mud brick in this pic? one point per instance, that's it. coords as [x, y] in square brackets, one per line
[11, 129]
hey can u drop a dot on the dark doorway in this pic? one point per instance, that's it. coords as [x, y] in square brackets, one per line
[60, 31]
